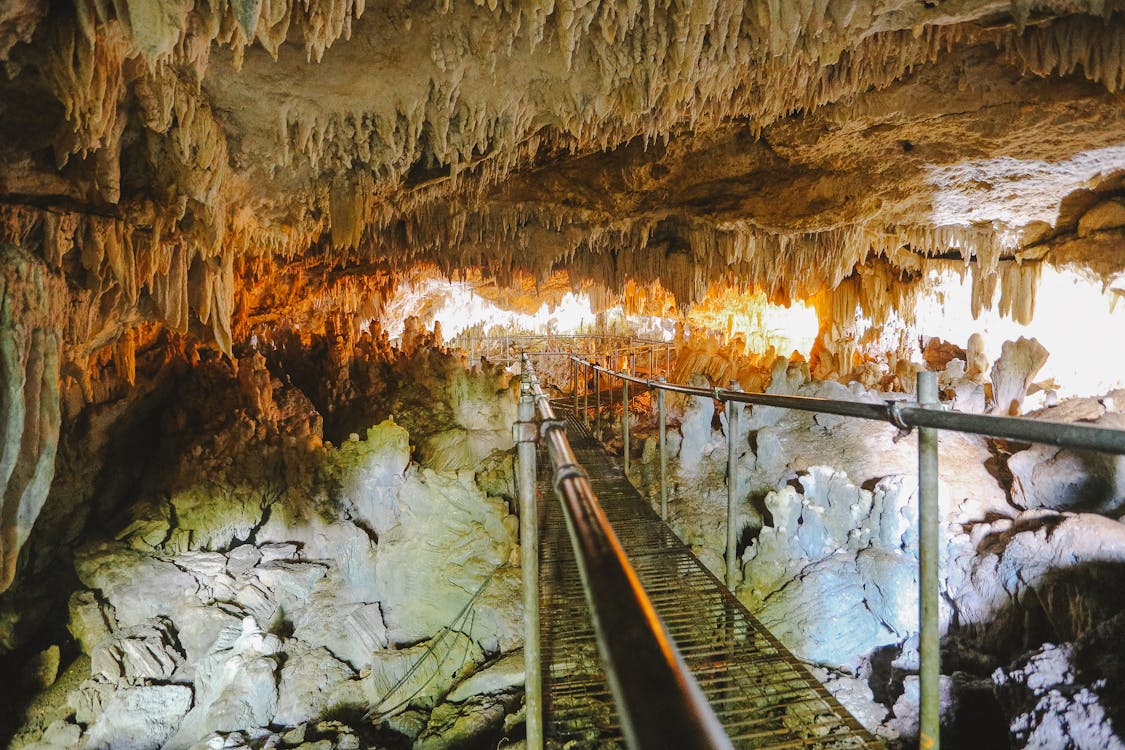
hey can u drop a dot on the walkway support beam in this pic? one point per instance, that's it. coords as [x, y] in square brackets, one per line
[659, 702]
[526, 430]
[928, 550]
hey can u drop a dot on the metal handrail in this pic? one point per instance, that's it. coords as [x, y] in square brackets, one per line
[926, 414]
[903, 415]
[658, 700]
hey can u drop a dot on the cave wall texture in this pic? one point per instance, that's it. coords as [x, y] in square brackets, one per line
[206, 169]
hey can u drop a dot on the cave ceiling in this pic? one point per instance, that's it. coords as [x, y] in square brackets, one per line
[203, 165]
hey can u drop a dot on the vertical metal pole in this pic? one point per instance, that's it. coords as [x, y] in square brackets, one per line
[733, 490]
[585, 396]
[651, 359]
[529, 563]
[929, 735]
[574, 384]
[597, 399]
[663, 453]
[625, 421]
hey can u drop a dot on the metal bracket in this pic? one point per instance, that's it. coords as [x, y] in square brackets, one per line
[894, 413]
[525, 432]
[551, 424]
[568, 471]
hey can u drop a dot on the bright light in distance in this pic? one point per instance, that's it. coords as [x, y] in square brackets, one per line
[456, 307]
[1074, 318]
[759, 324]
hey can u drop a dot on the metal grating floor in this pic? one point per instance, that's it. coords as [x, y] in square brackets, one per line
[764, 697]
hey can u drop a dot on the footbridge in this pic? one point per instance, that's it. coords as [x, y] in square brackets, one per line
[629, 640]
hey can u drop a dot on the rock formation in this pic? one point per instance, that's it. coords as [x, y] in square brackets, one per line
[206, 206]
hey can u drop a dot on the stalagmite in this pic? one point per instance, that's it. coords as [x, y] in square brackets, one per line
[1014, 372]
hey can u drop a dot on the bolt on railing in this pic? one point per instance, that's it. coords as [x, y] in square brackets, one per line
[659, 702]
[927, 415]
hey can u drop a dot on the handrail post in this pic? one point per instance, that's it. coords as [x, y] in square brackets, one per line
[663, 453]
[597, 400]
[574, 384]
[529, 561]
[732, 486]
[625, 422]
[585, 396]
[651, 359]
[929, 734]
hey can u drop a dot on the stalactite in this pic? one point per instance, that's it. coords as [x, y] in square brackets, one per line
[32, 300]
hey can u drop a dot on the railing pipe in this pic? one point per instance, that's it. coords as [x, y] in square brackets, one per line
[574, 384]
[585, 396]
[659, 702]
[529, 564]
[929, 637]
[597, 398]
[625, 423]
[732, 409]
[663, 441]
[906, 415]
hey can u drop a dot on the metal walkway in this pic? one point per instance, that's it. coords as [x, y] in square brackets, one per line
[764, 697]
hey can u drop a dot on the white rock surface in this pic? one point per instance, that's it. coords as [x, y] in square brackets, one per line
[1048, 710]
[137, 654]
[312, 683]
[139, 718]
[449, 539]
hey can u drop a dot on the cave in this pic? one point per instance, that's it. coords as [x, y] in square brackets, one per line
[270, 268]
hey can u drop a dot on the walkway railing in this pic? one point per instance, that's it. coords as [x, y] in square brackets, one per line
[926, 413]
[658, 700]
[650, 355]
